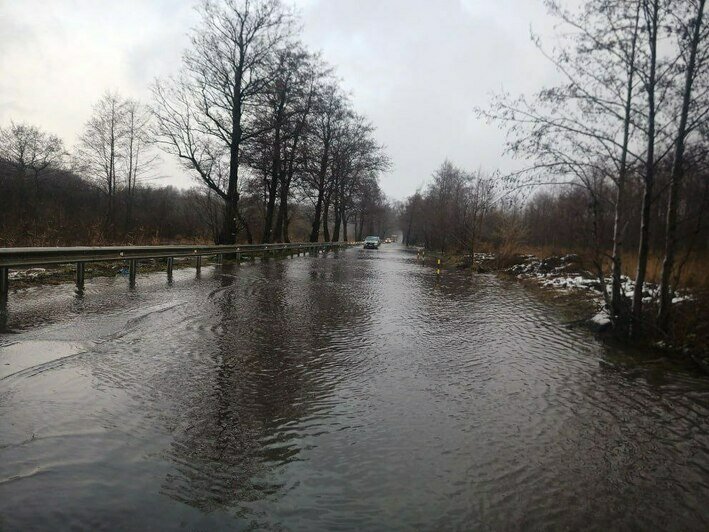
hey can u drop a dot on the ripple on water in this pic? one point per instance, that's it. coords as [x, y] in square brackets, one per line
[351, 391]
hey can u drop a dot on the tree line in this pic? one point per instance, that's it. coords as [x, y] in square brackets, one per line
[620, 146]
[251, 99]
[453, 213]
[260, 121]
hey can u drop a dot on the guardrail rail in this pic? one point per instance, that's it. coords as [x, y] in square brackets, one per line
[13, 258]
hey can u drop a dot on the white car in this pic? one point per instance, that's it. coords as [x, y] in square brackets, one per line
[372, 242]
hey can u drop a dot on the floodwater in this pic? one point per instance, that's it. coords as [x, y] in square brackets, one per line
[349, 391]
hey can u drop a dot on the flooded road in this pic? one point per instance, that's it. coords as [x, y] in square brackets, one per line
[347, 391]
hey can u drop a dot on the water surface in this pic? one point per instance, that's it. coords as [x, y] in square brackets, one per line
[355, 390]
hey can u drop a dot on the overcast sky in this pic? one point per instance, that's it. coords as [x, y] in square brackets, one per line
[416, 68]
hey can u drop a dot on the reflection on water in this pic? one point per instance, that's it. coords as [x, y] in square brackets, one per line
[353, 390]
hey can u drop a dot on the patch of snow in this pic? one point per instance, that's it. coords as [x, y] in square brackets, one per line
[564, 273]
[602, 319]
[29, 273]
[484, 256]
[681, 299]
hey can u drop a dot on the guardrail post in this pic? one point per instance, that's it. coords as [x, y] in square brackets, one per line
[132, 270]
[3, 303]
[198, 265]
[4, 283]
[80, 275]
[170, 263]
[3, 313]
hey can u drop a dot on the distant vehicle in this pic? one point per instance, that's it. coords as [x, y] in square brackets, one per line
[387, 240]
[372, 242]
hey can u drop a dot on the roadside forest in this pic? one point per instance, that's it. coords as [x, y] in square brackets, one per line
[275, 146]
[613, 160]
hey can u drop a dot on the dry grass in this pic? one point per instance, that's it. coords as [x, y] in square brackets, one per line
[694, 274]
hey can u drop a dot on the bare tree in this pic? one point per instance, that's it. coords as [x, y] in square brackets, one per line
[285, 108]
[31, 150]
[598, 126]
[205, 115]
[696, 60]
[32, 154]
[579, 133]
[356, 157]
[312, 73]
[138, 159]
[652, 18]
[480, 198]
[100, 149]
[330, 110]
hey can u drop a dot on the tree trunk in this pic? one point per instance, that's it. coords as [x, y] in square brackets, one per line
[618, 307]
[275, 175]
[344, 226]
[644, 246]
[665, 310]
[270, 208]
[643, 250]
[315, 231]
[231, 207]
[326, 222]
[129, 211]
[473, 234]
[245, 225]
[282, 216]
[229, 223]
[279, 229]
[286, 224]
[407, 234]
[338, 221]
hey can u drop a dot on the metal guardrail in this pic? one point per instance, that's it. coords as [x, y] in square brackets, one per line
[26, 257]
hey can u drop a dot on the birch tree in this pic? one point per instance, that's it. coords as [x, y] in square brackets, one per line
[694, 110]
